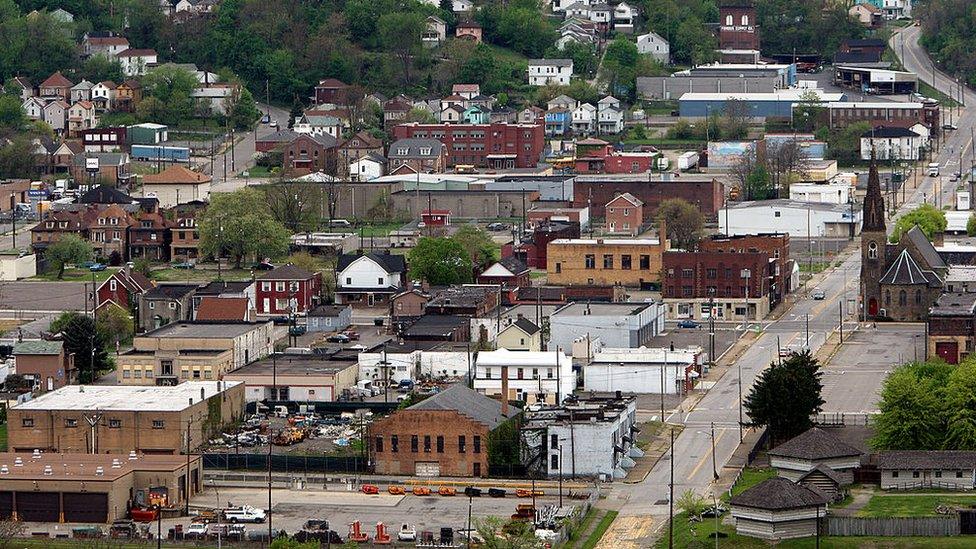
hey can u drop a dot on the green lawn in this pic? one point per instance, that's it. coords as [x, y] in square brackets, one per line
[909, 505]
[582, 527]
[257, 171]
[751, 477]
[668, 143]
[813, 267]
[601, 528]
[378, 229]
[76, 275]
[930, 92]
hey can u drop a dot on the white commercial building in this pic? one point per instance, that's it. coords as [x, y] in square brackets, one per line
[626, 325]
[892, 143]
[799, 219]
[544, 376]
[643, 370]
[833, 192]
[410, 366]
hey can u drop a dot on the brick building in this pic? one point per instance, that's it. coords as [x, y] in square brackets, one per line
[147, 419]
[691, 278]
[444, 435]
[737, 26]
[287, 289]
[331, 91]
[625, 215]
[494, 146]
[46, 363]
[311, 153]
[605, 261]
[951, 333]
[776, 245]
[534, 251]
[704, 191]
[842, 114]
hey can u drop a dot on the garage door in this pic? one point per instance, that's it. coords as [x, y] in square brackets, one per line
[38, 506]
[6, 504]
[428, 469]
[86, 507]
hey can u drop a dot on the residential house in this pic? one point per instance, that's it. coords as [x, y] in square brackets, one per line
[413, 155]
[653, 45]
[503, 115]
[331, 91]
[562, 101]
[369, 167]
[579, 10]
[33, 108]
[531, 115]
[407, 306]
[611, 116]
[81, 91]
[623, 18]
[532, 377]
[81, 117]
[135, 62]
[866, 14]
[318, 124]
[103, 95]
[109, 232]
[602, 15]
[584, 119]
[149, 237]
[444, 435]
[486, 102]
[175, 185]
[369, 279]
[625, 215]
[56, 87]
[469, 30]
[360, 145]
[45, 363]
[891, 143]
[311, 153]
[476, 114]
[462, 6]
[184, 234]
[509, 272]
[550, 71]
[452, 114]
[224, 289]
[216, 97]
[288, 290]
[559, 122]
[164, 304]
[224, 309]
[468, 300]
[112, 169]
[921, 469]
[435, 33]
[21, 87]
[617, 325]
[520, 335]
[778, 509]
[329, 318]
[123, 289]
[56, 115]
[128, 95]
[108, 46]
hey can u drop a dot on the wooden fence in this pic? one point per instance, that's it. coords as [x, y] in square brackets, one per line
[906, 526]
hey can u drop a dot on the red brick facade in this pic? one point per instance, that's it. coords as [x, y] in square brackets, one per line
[596, 192]
[401, 441]
[625, 215]
[737, 27]
[775, 245]
[496, 146]
[695, 274]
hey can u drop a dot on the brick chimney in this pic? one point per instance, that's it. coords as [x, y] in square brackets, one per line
[504, 390]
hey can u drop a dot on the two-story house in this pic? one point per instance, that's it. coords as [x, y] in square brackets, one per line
[625, 214]
[109, 46]
[103, 95]
[360, 145]
[149, 237]
[415, 155]
[611, 117]
[558, 122]
[184, 233]
[57, 86]
[81, 117]
[584, 119]
[108, 233]
[135, 62]
[128, 94]
[81, 91]
[550, 71]
[652, 44]
[369, 279]
[122, 288]
[164, 304]
[287, 290]
[311, 153]
[56, 115]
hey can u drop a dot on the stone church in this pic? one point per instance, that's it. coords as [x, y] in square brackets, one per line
[900, 281]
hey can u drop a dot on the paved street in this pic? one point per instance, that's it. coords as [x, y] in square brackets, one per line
[243, 154]
[18, 299]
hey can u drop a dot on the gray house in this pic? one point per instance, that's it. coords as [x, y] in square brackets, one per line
[778, 509]
[164, 304]
[910, 469]
[815, 447]
[329, 318]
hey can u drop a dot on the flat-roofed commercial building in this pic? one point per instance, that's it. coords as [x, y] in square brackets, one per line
[632, 262]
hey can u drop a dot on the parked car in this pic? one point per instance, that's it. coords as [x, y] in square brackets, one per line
[183, 265]
[784, 352]
[497, 227]
[264, 266]
[244, 513]
[352, 335]
[338, 338]
[196, 530]
[97, 267]
[687, 323]
[818, 294]
[297, 330]
[407, 533]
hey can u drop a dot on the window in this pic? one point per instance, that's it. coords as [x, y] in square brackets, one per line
[172, 305]
[645, 262]
[711, 273]
[958, 474]
[894, 474]
[461, 442]
[137, 373]
[902, 298]
[686, 291]
[938, 474]
[149, 373]
[414, 443]
[440, 444]
[687, 273]
[554, 462]
[158, 424]
[554, 441]
[887, 298]
[519, 373]
[872, 250]
[559, 268]
[427, 443]
[348, 281]
[266, 286]
[625, 262]
[279, 286]
[112, 285]
[379, 445]
[379, 281]
[918, 297]
[589, 261]
[394, 443]
[745, 20]
[915, 474]
[27, 422]
[115, 424]
[477, 444]
[126, 374]
[607, 261]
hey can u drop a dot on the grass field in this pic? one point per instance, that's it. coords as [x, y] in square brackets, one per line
[257, 171]
[76, 275]
[909, 505]
[751, 477]
[601, 528]
[170, 274]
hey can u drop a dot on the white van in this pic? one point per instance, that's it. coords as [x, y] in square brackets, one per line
[933, 170]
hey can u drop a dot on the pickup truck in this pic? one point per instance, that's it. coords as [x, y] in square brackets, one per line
[245, 513]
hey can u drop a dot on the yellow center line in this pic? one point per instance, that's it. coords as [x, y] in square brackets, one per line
[708, 455]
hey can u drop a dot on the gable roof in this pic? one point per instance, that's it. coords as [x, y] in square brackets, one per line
[56, 80]
[888, 132]
[827, 472]
[925, 248]
[513, 264]
[222, 308]
[134, 52]
[629, 198]
[778, 494]
[171, 291]
[38, 347]
[525, 325]
[814, 444]
[104, 194]
[391, 263]
[466, 402]
[287, 272]
[904, 270]
[413, 146]
[176, 174]
[927, 459]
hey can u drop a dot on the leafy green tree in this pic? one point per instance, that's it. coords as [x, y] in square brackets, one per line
[912, 413]
[82, 338]
[845, 145]
[478, 243]
[240, 225]
[960, 405]
[243, 111]
[786, 395]
[619, 67]
[685, 223]
[99, 68]
[296, 112]
[173, 87]
[971, 226]
[498, 533]
[928, 218]
[759, 185]
[116, 324]
[400, 34]
[440, 261]
[69, 249]
[583, 91]
[11, 114]
[584, 57]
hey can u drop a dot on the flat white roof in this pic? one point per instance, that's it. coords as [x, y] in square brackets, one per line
[149, 398]
[644, 355]
[608, 241]
[955, 247]
[504, 357]
[873, 105]
[780, 95]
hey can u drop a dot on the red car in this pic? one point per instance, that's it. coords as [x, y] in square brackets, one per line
[353, 336]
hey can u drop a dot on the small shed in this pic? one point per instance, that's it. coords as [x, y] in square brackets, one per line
[803, 453]
[778, 509]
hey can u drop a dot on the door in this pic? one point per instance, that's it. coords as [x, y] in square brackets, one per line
[50, 383]
[370, 300]
[948, 351]
[266, 305]
[476, 470]
[85, 507]
[872, 307]
[38, 506]
[427, 469]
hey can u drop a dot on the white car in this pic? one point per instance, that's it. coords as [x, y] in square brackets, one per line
[407, 533]
[245, 513]
[196, 530]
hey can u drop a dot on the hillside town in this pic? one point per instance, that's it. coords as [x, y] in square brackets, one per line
[523, 274]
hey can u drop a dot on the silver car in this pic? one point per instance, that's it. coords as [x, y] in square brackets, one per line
[818, 294]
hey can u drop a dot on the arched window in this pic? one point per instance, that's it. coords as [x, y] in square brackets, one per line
[745, 20]
[872, 250]
[887, 298]
[918, 297]
[728, 20]
[902, 298]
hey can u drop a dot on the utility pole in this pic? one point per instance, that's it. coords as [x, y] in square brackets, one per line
[808, 330]
[270, 445]
[671, 498]
[187, 494]
[711, 328]
[714, 467]
[841, 317]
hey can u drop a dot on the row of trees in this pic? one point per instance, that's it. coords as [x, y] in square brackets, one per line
[947, 34]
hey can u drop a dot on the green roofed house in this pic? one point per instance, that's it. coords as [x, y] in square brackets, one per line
[45, 363]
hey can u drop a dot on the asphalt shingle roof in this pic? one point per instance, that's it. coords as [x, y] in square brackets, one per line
[467, 402]
[925, 459]
[287, 272]
[814, 444]
[39, 347]
[171, 291]
[778, 494]
[392, 263]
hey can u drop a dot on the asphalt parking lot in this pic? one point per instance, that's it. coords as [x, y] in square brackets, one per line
[42, 296]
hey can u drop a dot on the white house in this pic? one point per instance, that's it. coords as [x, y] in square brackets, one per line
[652, 44]
[623, 18]
[610, 119]
[578, 9]
[832, 192]
[562, 5]
[550, 71]
[33, 108]
[584, 118]
[435, 33]
[370, 278]
[135, 62]
[452, 114]
[891, 143]
[642, 370]
[81, 91]
[601, 14]
[56, 114]
[103, 94]
[217, 97]
[562, 101]
[543, 376]
[799, 219]
[367, 168]
[461, 6]
[316, 124]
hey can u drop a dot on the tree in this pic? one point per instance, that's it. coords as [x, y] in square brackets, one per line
[82, 338]
[692, 503]
[971, 226]
[115, 324]
[478, 243]
[17, 157]
[618, 70]
[786, 395]
[10, 530]
[11, 114]
[399, 33]
[296, 112]
[240, 225]
[70, 249]
[173, 87]
[684, 222]
[498, 534]
[758, 185]
[295, 204]
[960, 407]
[929, 219]
[440, 261]
[100, 67]
[243, 112]
[735, 123]
[911, 414]
[307, 262]
[784, 160]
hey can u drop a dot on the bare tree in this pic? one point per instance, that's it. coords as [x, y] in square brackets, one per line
[295, 204]
[785, 160]
[9, 530]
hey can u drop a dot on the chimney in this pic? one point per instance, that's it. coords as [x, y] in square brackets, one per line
[938, 239]
[127, 269]
[504, 390]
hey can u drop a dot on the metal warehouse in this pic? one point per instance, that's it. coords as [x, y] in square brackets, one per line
[757, 105]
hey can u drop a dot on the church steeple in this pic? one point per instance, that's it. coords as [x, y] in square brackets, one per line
[874, 207]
